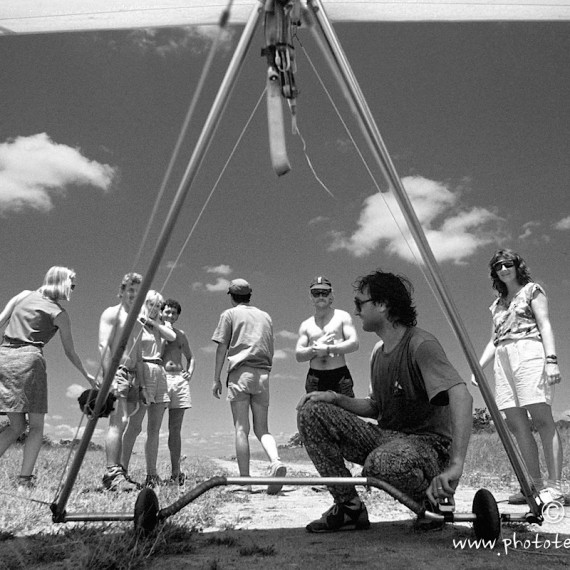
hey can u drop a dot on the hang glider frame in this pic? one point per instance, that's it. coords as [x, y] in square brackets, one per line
[329, 43]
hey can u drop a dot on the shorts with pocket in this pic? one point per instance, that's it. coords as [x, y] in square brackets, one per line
[520, 377]
[249, 384]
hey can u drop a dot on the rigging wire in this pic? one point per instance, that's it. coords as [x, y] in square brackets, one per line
[222, 25]
[173, 267]
[298, 133]
[224, 18]
[405, 236]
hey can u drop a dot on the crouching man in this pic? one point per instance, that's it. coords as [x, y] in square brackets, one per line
[422, 407]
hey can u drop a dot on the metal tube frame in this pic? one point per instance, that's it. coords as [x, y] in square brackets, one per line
[339, 63]
[341, 68]
[208, 130]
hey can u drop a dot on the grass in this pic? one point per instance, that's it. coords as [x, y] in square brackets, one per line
[95, 545]
[29, 538]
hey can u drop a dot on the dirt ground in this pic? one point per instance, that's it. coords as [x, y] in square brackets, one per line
[269, 532]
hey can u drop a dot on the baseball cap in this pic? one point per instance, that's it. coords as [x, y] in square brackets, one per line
[320, 282]
[239, 287]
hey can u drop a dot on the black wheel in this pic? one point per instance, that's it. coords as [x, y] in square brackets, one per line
[146, 511]
[487, 525]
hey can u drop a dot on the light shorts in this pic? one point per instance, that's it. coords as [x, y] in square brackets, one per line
[156, 386]
[124, 385]
[520, 377]
[178, 391]
[247, 384]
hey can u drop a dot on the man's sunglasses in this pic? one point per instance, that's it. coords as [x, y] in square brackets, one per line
[359, 302]
[320, 292]
[506, 264]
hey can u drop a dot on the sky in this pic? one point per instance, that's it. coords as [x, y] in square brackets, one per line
[475, 117]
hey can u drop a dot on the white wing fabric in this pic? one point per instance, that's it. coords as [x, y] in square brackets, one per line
[45, 16]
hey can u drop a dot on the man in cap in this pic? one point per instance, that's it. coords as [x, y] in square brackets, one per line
[245, 335]
[324, 339]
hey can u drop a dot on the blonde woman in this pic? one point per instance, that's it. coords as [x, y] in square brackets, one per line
[526, 366]
[32, 318]
[153, 337]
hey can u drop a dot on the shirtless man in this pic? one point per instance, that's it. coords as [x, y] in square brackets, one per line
[128, 384]
[324, 339]
[178, 378]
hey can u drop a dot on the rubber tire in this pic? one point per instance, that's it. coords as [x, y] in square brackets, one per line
[146, 511]
[487, 525]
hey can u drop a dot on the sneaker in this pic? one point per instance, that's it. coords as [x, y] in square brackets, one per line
[517, 499]
[116, 479]
[25, 482]
[427, 525]
[153, 481]
[341, 516]
[277, 470]
[179, 479]
[551, 494]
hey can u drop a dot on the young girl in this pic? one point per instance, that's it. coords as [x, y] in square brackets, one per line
[153, 338]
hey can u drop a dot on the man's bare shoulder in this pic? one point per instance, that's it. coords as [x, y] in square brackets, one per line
[111, 313]
[344, 316]
[180, 334]
[307, 323]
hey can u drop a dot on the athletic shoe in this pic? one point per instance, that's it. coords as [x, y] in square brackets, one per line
[25, 482]
[277, 469]
[551, 494]
[153, 481]
[341, 516]
[427, 525]
[517, 499]
[179, 479]
[116, 479]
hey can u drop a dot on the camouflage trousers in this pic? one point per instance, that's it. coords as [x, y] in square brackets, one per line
[332, 435]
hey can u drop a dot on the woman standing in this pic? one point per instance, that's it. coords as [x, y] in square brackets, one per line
[32, 318]
[155, 333]
[526, 367]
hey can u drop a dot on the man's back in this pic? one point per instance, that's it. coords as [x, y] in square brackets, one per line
[248, 333]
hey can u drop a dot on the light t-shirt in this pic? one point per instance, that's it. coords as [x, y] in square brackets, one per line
[248, 333]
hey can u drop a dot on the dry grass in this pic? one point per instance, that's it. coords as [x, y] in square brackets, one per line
[29, 538]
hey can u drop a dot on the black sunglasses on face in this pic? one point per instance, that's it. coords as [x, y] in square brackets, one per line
[359, 302]
[506, 264]
[320, 293]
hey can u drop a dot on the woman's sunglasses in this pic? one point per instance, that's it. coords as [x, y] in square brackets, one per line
[506, 264]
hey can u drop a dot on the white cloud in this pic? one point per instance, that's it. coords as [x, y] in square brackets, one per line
[74, 391]
[280, 354]
[172, 41]
[528, 229]
[318, 220]
[221, 284]
[33, 169]
[287, 335]
[453, 231]
[563, 224]
[221, 269]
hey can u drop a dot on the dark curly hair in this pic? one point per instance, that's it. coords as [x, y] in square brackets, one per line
[394, 290]
[172, 303]
[523, 272]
